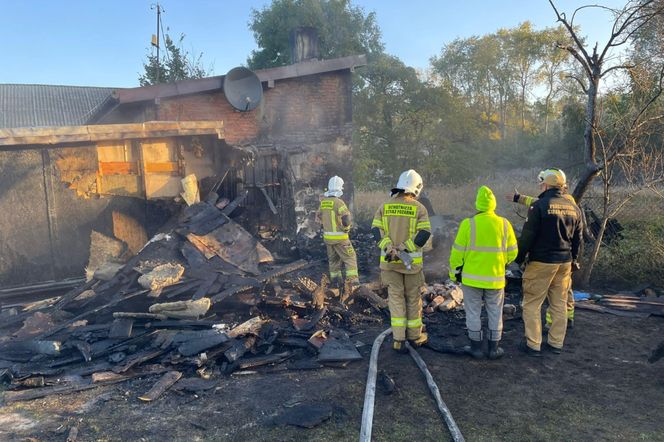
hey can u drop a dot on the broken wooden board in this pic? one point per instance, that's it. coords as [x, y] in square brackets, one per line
[338, 350]
[657, 310]
[121, 328]
[238, 348]
[163, 384]
[36, 393]
[373, 299]
[136, 359]
[297, 265]
[87, 313]
[603, 309]
[139, 315]
[202, 341]
[230, 207]
[161, 276]
[258, 361]
[234, 245]
[182, 309]
[206, 219]
[252, 326]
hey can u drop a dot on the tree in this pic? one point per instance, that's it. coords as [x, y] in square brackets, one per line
[343, 29]
[175, 64]
[524, 50]
[552, 69]
[628, 21]
[631, 164]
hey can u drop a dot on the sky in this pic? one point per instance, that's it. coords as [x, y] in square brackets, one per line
[104, 43]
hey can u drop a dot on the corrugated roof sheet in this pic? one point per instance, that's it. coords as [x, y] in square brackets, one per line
[38, 105]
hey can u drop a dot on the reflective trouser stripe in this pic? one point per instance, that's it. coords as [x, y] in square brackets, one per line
[398, 322]
[342, 253]
[414, 323]
[335, 236]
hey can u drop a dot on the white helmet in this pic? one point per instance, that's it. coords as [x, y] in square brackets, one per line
[553, 177]
[335, 187]
[410, 182]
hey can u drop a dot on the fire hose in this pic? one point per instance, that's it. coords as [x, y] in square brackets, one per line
[370, 392]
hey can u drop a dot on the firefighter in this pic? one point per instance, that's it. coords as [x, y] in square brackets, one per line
[336, 220]
[527, 200]
[550, 241]
[484, 245]
[401, 228]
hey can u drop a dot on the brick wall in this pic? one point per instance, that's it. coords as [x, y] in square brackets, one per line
[302, 110]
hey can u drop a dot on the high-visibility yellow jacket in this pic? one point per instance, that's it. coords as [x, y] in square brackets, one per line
[484, 245]
[331, 211]
[399, 219]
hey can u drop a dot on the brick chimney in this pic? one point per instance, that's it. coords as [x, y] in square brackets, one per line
[304, 44]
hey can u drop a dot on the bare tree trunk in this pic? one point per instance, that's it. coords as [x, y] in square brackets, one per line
[588, 268]
[547, 103]
[592, 169]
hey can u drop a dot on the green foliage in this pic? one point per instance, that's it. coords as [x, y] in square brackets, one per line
[343, 29]
[174, 64]
[490, 104]
[637, 258]
[404, 122]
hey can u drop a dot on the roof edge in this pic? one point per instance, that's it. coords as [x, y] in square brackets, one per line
[192, 86]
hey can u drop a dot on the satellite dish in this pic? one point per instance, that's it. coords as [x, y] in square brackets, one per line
[243, 89]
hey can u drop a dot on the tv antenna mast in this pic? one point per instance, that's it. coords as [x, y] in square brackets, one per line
[155, 38]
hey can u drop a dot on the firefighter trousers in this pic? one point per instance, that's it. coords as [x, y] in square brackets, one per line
[342, 252]
[569, 304]
[545, 281]
[405, 302]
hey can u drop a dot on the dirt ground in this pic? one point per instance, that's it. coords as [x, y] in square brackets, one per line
[600, 388]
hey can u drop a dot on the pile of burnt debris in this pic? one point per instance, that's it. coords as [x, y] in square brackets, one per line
[200, 301]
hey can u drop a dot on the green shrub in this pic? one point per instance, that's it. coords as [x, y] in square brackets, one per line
[636, 259]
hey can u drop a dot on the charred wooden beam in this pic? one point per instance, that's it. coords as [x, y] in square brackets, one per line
[163, 384]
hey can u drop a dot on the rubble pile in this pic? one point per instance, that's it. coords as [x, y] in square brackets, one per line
[202, 300]
[443, 297]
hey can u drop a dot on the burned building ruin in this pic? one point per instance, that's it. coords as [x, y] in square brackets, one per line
[101, 163]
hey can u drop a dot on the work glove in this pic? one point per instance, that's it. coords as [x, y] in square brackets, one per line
[575, 266]
[457, 274]
[391, 253]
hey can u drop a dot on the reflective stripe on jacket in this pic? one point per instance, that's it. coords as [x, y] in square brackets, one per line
[484, 245]
[331, 210]
[399, 220]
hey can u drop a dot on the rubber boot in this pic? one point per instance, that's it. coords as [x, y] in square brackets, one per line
[423, 339]
[474, 349]
[495, 352]
[399, 346]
